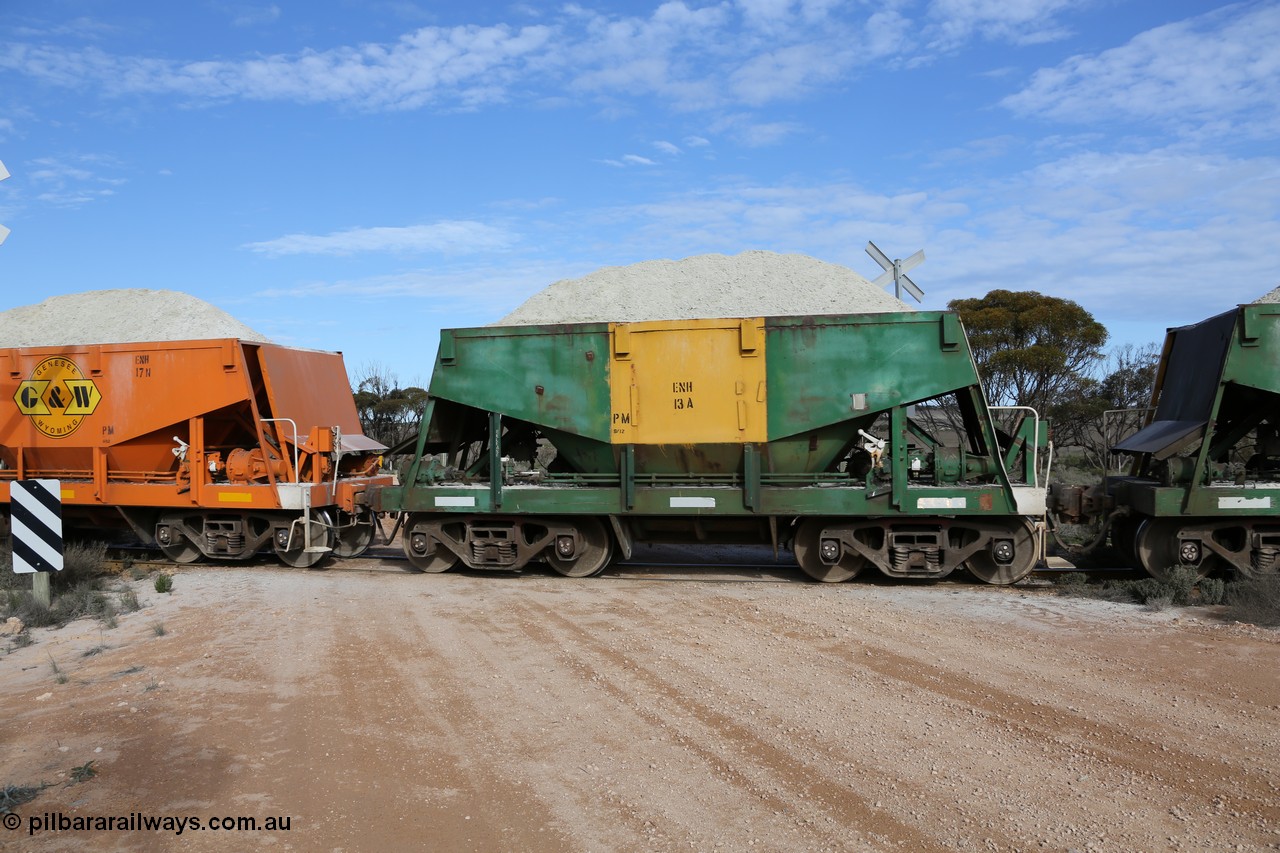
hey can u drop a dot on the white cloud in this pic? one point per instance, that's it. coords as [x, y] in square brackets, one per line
[82, 27]
[887, 33]
[709, 57]
[453, 237]
[1163, 236]
[1217, 72]
[1158, 238]
[71, 181]
[628, 160]
[661, 144]
[252, 16]
[663, 54]
[977, 150]
[465, 66]
[787, 72]
[954, 22]
[753, 133]
[765, 12]
[447, 293]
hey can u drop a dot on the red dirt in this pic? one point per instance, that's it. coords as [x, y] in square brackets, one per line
[381, 710]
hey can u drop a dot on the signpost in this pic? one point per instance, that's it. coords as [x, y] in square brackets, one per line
[36, 532]
[896, 271]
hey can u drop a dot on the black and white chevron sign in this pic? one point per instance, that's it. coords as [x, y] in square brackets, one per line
[37, 525]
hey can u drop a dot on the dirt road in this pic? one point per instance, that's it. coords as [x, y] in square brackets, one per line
[380, 710]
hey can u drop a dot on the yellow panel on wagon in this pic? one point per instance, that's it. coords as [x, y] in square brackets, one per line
[688, 382]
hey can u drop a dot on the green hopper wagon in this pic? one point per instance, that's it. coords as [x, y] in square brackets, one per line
[1204, 487]
[856, 439]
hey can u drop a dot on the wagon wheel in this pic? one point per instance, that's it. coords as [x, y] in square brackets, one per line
[1157, 546]
[290, 542]
[592, 548]
[1124, 530]
[996, 564]
[424, 554]
[439, 560]
[175, 545]
[808, 550]
[354, 533]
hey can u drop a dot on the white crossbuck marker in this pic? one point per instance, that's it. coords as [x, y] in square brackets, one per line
[896, 271]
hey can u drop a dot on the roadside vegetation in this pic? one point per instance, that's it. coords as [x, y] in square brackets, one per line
[1254, 601]
[81, 590]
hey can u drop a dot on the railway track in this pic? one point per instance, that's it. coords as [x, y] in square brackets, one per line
[383, 558]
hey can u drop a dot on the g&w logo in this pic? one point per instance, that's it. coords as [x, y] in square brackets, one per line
[57, 397]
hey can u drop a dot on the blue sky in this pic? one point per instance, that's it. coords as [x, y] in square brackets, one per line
[357, 175]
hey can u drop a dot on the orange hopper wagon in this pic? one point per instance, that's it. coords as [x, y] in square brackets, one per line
[204, 448]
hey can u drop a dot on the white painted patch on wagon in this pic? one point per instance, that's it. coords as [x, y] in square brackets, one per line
[693, 503]
[1244, 503]
[942, 503]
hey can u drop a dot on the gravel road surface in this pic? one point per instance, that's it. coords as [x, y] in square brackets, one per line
[381, 710]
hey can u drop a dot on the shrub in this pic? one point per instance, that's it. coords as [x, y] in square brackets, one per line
[81, 561]
[1212, 590]
[83, 599]
[1144, 590]
[107, 615]
[1179, 582]
[12, 796]
[1118, 591]
[35, 614]
[83, 773]
[1072, 583]
[1180, 587]
[8, 580]
[1256, 601]
[164, 582]
[129, 602]
[1078, 585]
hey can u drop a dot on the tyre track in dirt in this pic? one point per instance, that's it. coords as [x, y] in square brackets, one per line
[1031, 718]
[405, 705]
[1061, 735]
[804, 785]
[559, 700]
[461, 672]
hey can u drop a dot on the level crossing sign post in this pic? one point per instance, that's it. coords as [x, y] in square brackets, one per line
[896, 271]
[36, 532]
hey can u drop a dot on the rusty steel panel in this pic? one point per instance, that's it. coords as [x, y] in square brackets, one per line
[827, 370]
[554, 376]
[300, 386]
